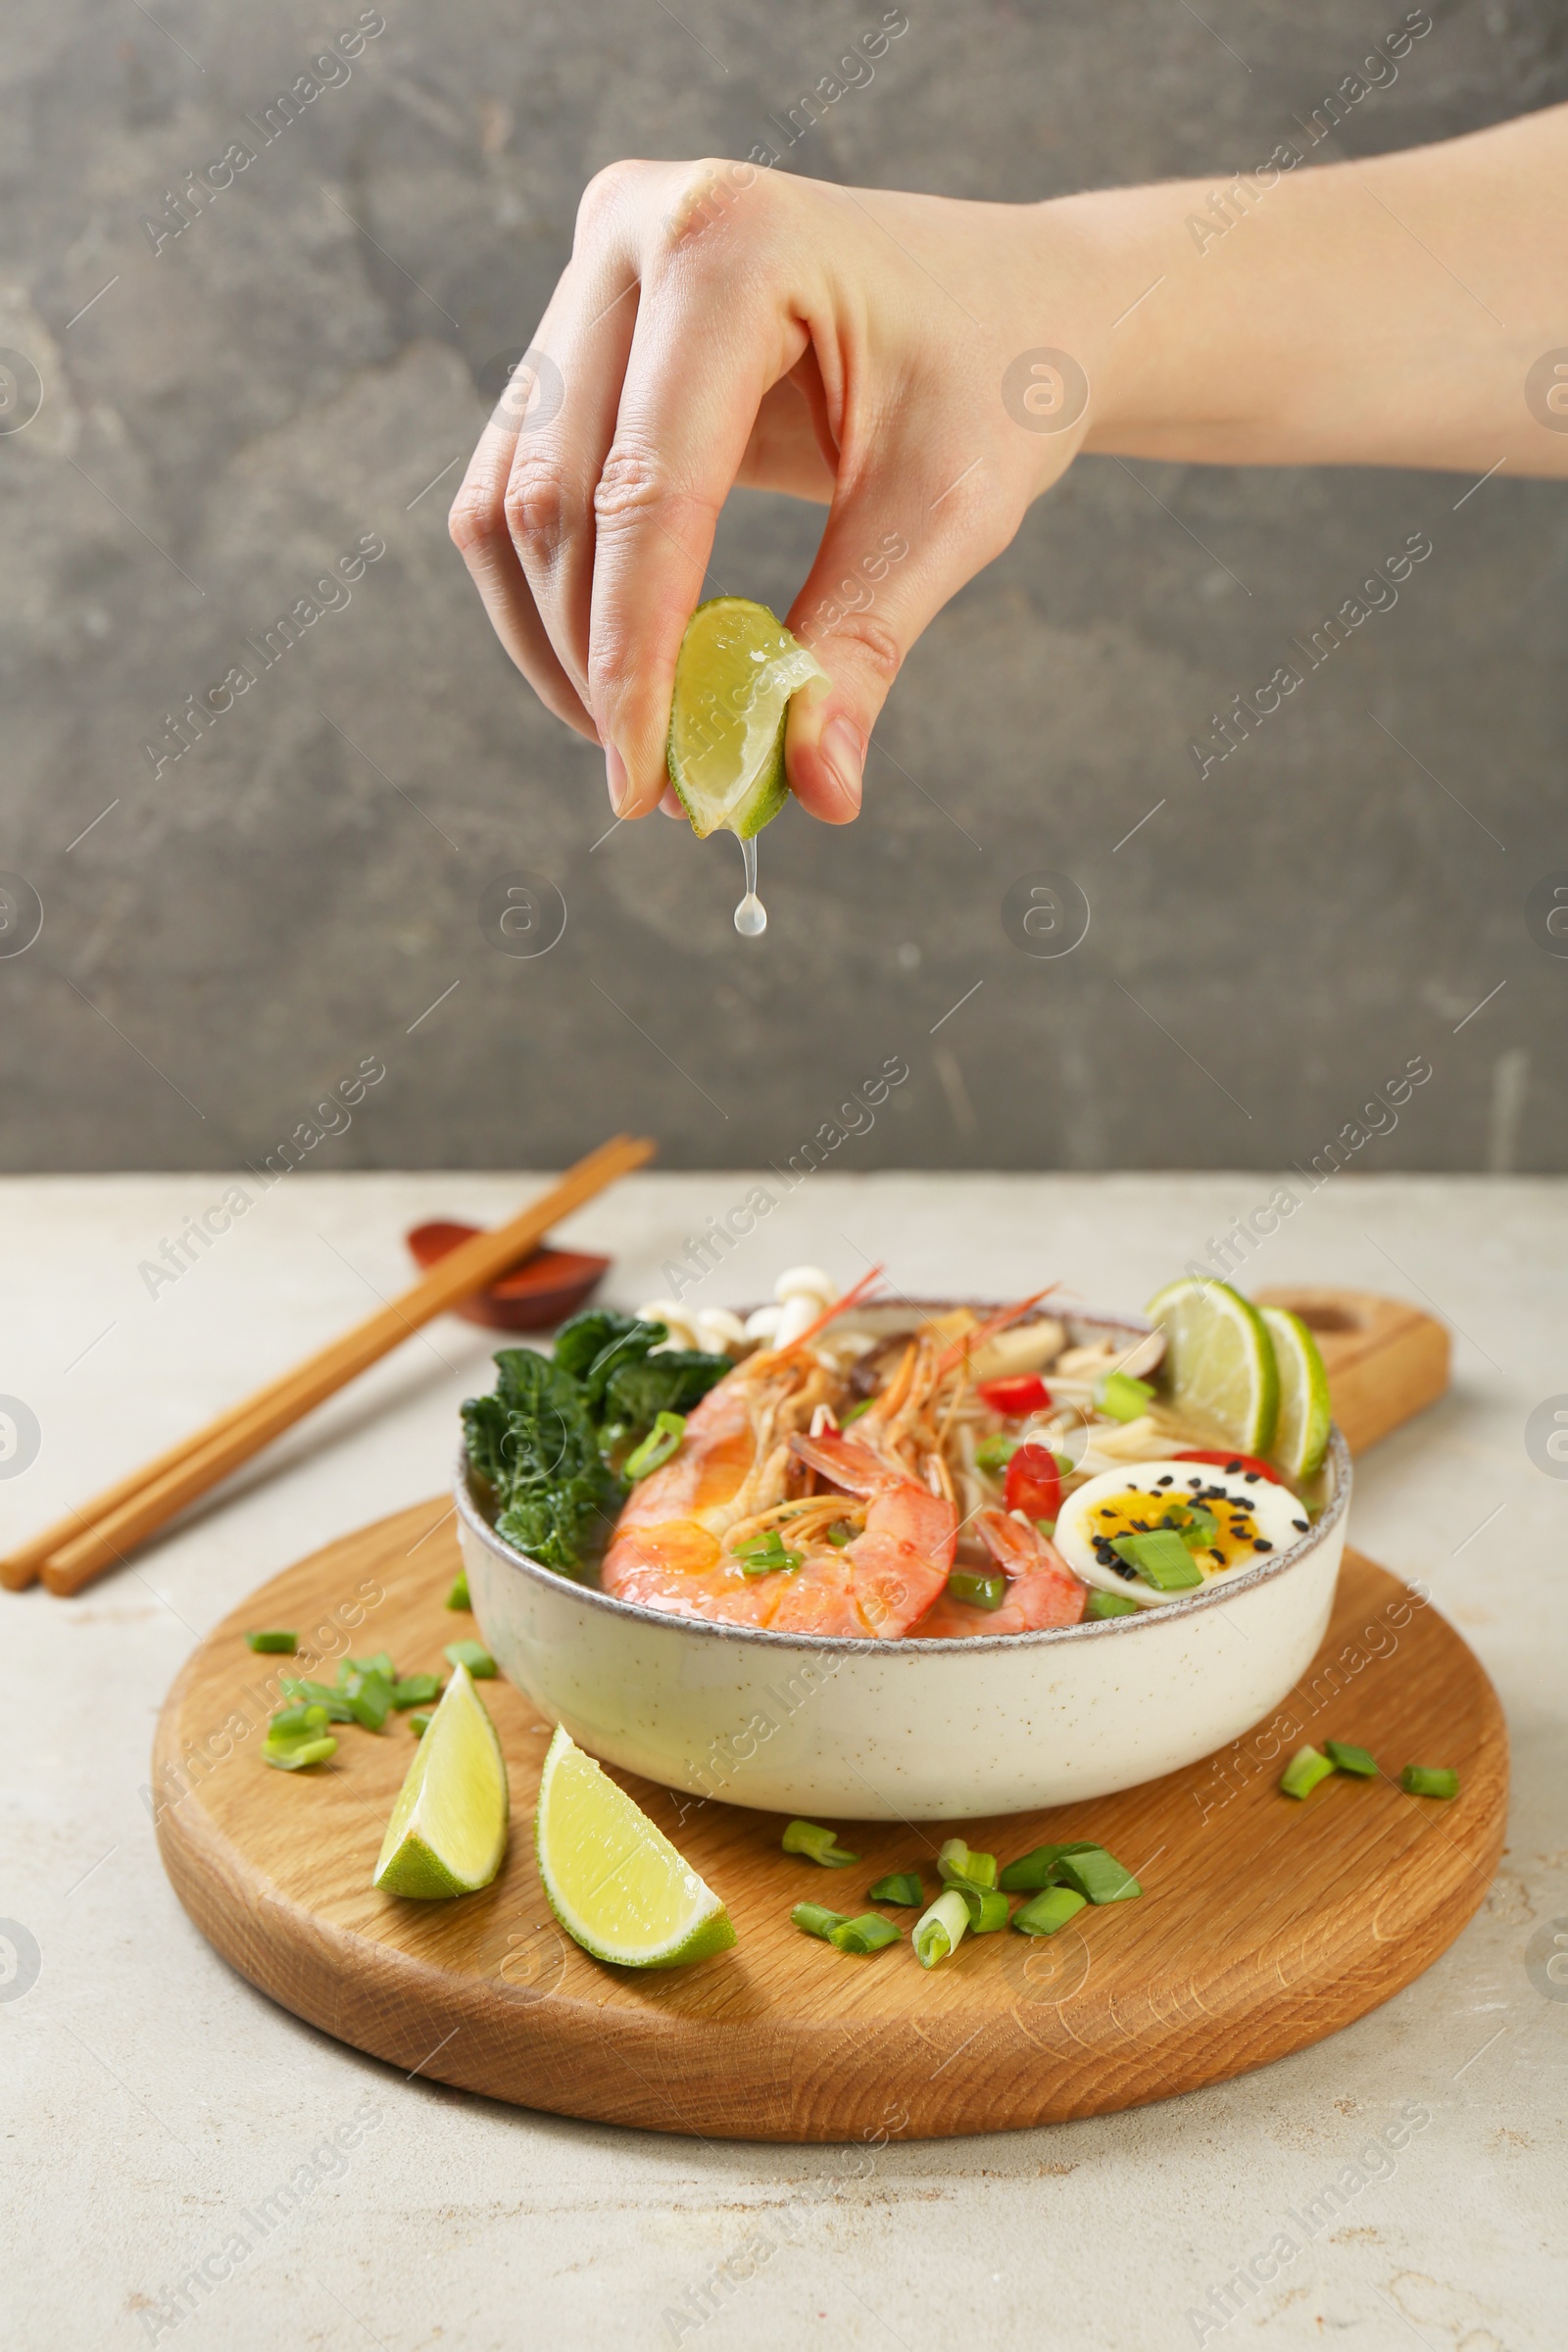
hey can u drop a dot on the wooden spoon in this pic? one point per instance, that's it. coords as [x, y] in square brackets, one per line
[540, 1292]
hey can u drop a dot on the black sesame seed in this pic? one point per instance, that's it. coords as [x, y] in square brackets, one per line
[1261, 1543]
[1232, 1468]
[1166, 1481]
[1300, 1523]
[1251, 1476]
[1122, 1569]
[1195, 1482]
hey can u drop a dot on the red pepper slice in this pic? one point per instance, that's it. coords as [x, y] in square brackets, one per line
[1034, 1482]
[1023, 1393]
[1223, 1461]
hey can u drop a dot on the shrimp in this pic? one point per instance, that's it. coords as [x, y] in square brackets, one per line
[667, 1549]
[1042, 1589]
[675, 1545]
[886, 1576]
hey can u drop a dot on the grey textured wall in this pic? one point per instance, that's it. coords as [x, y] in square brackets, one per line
[232, 413]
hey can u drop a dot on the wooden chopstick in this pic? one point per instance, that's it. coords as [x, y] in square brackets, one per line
[19, 1568]
[79, 1547]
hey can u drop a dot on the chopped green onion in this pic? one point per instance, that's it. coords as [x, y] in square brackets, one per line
[1303, 1772]
[472, 1654]
[1161, 1559]
[981, 1588]
[457, 1597]
[1098, 1875]
[1049, 1910]
[960, 1866]
[1066, 1464]
[1194, 1523]
[368, 1694]
[1123, 1397]
[1430, 1780]
[380, 1664]
[813, 1919]
[899, 1887]
[940, 1930]
[986, 1906]
[293, 1755]
[284, 1644]
[871, 1933]
[296, 1723]
[1110, 1604]
[841, 1534]
[817, 1845]
[1031, 1869]
[661, 1444]
[855, 1410]
[416, 1690]
[317, 1694]
[1351, 1759]
[418, 1725]
[995, 1452]
[765, 1554]
[957, 1865]
[1046, 1527]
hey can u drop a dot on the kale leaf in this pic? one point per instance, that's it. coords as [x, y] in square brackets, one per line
[485, 1422]
[549, 1443]
[637, 1393]
[535, 1445]
[587, 1335]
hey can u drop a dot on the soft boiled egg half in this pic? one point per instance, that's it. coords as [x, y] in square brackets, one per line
[1157, 1530]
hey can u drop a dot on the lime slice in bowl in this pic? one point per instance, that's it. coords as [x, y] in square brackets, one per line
[1219, 1371]
[734, 675]
[1302, 1432]
[448, 1830]
[615, 1881]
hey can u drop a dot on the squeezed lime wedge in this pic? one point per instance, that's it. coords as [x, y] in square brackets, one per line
[448, 1830]
[1302, 1432]
[615, 1881]
[1219, 1371]
[735, 673]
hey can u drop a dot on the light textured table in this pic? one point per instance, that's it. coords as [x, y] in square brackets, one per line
[154, 2105]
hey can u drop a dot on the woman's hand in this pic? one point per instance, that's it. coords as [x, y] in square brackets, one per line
[927, 368]
[722, 325]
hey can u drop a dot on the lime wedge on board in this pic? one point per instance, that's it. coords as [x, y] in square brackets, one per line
[1219, 1371]
[615, 1881]
[448, 1830]
[734, 675]
[1302, 1432]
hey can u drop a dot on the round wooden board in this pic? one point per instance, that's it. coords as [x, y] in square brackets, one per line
[1264, 1924]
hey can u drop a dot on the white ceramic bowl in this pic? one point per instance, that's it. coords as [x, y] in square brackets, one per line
[920, 1731]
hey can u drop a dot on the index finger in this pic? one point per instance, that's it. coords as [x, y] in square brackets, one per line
[704, 351]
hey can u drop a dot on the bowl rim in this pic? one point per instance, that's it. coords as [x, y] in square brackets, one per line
[1212, 1595]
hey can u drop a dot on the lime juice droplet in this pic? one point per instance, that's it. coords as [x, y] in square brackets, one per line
[751, 915]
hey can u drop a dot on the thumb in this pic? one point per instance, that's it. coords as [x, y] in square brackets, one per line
[896, 546]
